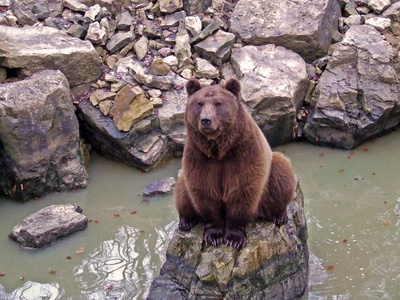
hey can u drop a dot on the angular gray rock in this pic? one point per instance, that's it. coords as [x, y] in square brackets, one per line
[357, 97]
[217, 47]
[274, 82]
[23, 9]
[194, 7]
[49, 225]
[40, 148]
[120, 40]
[161, 187]
[305, 27]
[30, 49]
[273, 265]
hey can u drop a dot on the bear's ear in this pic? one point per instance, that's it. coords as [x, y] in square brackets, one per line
[192, 86]
[233, 85]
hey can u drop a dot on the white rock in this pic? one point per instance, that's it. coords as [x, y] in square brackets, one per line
[379, 23]
[92, 12]
[171, 60]
[141, 47]
[205, 69]
[96, 34]
[75, 5]
[193, 25]
[379, 5]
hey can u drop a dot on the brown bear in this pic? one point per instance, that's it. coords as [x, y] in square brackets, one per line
[229, 175]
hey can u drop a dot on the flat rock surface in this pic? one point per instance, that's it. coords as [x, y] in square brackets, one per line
[48, 225]
[36, 48]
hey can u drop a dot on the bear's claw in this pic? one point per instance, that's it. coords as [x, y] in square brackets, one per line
[213, 235]
[187, 224]
[282, 220]
[236, 238]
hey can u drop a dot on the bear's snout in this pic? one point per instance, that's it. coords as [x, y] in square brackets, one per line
[206, 121]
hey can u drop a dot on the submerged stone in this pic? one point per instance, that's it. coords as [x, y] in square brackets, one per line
[162, 187]
[49, 225]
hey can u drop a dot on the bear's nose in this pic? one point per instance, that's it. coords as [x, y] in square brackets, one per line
[206, 121]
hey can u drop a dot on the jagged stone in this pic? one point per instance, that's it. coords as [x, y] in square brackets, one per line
[39, 138]
[296, 25]
[173, 20]
[100, 95]
[23, 11]
[274, 81]
[152, 81]
[378, 23]
[141, 47]
[105, 106]
[204, 69]
[193, 25]
[159, 67]
[274, 262]
[357, 96]
[124, 20]
[40, 11]
[379, 5]
[92, 12]
[77, 31]
[216, 48]
[206, 32]
[194, 7]
[96, 34]
[162, 187]
[49, 225]
[182, 48]
[75, 5]
[170, 6]
[120, 40]
[35, 48]
[130, 107]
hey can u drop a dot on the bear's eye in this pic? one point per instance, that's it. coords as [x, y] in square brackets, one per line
[218, 104]
[200, 104]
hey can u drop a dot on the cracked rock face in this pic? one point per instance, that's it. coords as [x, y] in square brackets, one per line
[305, 27]
[357, 96]
[274, 81]
[195, 270]
[39, 138]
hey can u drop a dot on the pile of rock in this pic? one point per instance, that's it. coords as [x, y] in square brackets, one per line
[313, 70]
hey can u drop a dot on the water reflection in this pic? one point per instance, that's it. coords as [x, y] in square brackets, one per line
[121, 267]
[37, 291]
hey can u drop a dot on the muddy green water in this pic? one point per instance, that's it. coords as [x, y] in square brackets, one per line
[352, 203]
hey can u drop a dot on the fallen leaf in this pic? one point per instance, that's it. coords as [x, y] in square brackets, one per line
[141, 231]
[348, 157]
[133, 212]
[22, 278]
[90, 221]
[356, 178]
[352, 153]
[385, 202]
[141, 171]
[331, 267]
[68, 257]
[110, 288]
[365, 149]
[341, 170]
[116, 215]
[81, 250]
[146, 201]
[321, 154]
[385, 223]
[2, 274]
[345, 241]
[52, 272]
[373, 173]
[96, 221]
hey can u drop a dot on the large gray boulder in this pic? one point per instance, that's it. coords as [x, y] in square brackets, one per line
[273, 265]
[305, 27]
[49, 225]
[357, 97]
[30, 49]
[39, 138]
[274, 81]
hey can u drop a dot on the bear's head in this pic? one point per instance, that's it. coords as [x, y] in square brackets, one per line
[212, 110]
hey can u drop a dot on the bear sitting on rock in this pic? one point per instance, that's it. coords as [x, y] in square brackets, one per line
[229, 175]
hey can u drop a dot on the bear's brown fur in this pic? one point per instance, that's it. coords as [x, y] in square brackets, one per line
[229, 176]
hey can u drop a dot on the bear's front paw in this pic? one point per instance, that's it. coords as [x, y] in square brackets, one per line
[282, 220]
[187, 224]
[236, 237]
[213, 235]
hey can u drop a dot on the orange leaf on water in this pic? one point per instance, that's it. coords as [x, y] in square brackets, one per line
[81, 250]
[116, 215]
[90, 221]
[68, 257]
[146, 200]
[345, 241]
[341, 170]
[385, 202]
[373, 173]
[52, 272]
[352, 153]
[385, 223]
[365, 149]
[96, 221]
[2, 274]
[331, 267]
[133, 212]
[22, 278]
